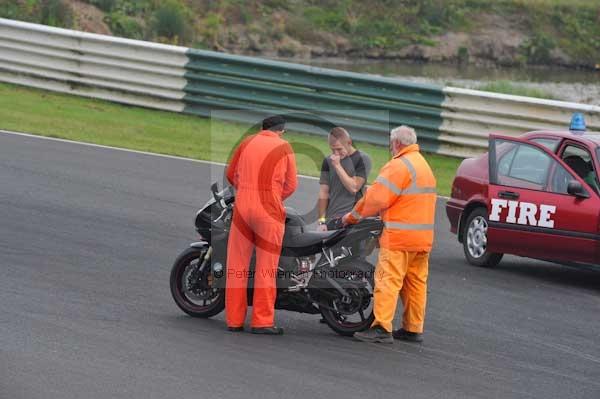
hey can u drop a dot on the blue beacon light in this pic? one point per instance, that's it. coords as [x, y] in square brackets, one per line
[577, 123]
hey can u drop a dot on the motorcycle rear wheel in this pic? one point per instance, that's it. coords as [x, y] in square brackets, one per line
[337, 309]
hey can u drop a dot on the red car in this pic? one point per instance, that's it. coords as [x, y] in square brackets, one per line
[536, 196]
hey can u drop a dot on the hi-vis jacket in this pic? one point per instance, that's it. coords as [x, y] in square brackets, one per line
[404, 195]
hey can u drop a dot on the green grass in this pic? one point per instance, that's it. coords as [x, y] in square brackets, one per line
[506, 87]
[101, 122]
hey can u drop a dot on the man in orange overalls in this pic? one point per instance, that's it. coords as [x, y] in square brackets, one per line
[404, 195]
[263, 172]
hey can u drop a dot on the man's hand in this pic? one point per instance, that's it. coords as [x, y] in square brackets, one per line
[322, 227]
[345, 219]
[335, 160]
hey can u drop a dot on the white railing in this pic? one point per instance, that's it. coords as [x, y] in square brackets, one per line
[470, 116]
[114, 69]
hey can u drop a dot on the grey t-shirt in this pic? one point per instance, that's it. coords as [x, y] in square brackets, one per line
[341, 201]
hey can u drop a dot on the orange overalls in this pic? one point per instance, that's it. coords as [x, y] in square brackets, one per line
[404, 195]
[263, 171]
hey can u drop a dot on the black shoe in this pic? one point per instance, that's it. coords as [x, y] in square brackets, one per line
[407, 335]
[235, 329]
[322, 321]
[267, 330]
[375, 334]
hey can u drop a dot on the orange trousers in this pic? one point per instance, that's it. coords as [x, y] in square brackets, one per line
[404, 273]
[252, 228]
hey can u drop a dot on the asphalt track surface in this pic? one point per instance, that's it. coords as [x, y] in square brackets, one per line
[87, 238]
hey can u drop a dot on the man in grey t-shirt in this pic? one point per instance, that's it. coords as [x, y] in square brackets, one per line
[343, 177]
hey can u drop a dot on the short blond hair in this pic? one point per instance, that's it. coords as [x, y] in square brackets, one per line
[339, 133]
[405, 135]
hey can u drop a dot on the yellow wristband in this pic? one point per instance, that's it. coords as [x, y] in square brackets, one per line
[322, 220]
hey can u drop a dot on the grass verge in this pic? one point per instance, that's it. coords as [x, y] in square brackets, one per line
[506, 87]
[100, 122]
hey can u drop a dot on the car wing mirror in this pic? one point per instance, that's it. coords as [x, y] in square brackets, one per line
[576, 189]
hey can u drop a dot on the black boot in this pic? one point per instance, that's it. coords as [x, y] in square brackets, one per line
[375, 334]
[235, 329]
[407, 335]
[267, 330]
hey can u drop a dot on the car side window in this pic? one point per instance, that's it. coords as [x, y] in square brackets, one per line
[530, 164]
[548, 142]
[559, 179]
[580, 160]
[506, 160]
[525, 166]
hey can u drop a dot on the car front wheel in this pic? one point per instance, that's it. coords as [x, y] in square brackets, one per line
[475, 240]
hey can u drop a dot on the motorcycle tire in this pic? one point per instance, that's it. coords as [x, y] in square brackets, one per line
[332, 318]
[177, 286]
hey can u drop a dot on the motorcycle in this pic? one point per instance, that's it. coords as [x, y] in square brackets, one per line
[318, 272]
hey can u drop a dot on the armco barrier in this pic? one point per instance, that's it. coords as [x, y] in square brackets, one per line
[448, 120]
[470, 116]
[368, 106]
[127, 71]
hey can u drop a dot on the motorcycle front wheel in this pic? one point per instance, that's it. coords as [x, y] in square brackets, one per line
[192, 284]
[352, 313]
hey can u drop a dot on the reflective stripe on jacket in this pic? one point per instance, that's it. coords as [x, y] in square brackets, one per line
[404, 195]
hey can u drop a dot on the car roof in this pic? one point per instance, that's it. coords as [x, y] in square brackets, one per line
[592, 139]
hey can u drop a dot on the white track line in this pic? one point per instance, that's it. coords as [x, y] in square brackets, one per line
[35, 136]
[136, 151]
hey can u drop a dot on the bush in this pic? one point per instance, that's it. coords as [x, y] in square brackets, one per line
[56, 13]
[13, 10]
[104, 5]
[209, 29]
[170, 21]
[125, 26]
[328, 19]
[463, 55]
[538, 49]
[128, 7]
[441, 13]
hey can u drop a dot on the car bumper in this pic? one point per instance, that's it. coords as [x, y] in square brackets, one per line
[454, 210]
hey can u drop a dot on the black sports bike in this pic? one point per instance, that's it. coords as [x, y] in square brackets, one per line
[318, 273]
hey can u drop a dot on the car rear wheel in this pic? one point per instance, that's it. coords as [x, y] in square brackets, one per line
[475, 240]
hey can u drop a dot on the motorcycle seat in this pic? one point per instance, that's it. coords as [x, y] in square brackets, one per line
[310, 238]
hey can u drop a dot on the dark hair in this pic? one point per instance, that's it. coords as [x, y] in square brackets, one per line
[274, 123]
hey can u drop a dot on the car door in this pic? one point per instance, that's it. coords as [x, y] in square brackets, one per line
[531, 212]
